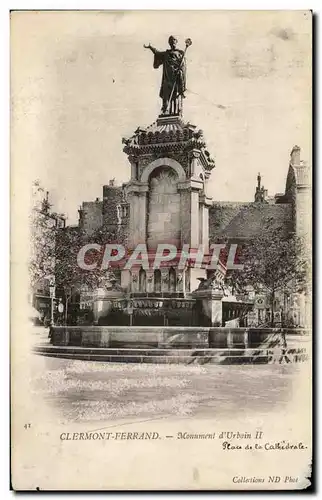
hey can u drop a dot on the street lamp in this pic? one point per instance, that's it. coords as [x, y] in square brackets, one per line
[52, 289]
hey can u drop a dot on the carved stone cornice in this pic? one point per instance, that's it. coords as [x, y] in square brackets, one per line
[168, 134]
[208, 294]
[132, 159]
[190, 185]
[195, 153]
[136, 187]
[205, 200]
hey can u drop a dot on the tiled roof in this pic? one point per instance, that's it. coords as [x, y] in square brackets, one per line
[242, 221]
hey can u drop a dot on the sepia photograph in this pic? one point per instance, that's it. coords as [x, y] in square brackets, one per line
[161, 250]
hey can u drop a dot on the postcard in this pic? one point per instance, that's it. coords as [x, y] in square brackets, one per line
[161, 227]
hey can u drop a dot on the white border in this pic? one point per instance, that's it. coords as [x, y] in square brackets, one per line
[163, 5]
[5, 6]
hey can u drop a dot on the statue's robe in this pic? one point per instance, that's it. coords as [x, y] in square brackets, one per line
[174, 72]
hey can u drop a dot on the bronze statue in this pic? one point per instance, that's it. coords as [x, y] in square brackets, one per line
[173, 83]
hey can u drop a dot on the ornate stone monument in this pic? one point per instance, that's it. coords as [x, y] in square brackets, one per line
[169, 204]
[167, 193]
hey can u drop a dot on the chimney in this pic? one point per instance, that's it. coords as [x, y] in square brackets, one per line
[296, 155]
[259, 181]
[257, 197]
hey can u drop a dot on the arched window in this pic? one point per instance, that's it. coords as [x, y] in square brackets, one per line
[172, 280]
[157, 280]
[142, 280]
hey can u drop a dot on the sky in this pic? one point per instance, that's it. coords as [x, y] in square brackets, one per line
[80, 81]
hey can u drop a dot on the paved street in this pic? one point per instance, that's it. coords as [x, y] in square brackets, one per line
[94, 391]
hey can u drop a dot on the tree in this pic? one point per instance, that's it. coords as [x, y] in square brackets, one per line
[273, 262]
[43, 233]
[69, 276]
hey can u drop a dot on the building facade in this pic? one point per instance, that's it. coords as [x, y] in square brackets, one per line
[166, 201]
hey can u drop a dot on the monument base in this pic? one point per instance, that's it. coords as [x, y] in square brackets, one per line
[177, 345]
[211, 304]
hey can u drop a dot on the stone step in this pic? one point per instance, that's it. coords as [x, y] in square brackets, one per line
[159, 359]
[186, 356]
[163, 352]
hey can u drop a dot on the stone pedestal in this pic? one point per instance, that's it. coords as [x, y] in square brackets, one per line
[211, 301]
[103, 302]
[170, 166]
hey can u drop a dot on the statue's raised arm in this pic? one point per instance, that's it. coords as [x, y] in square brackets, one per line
[173, 83]
[149, 46]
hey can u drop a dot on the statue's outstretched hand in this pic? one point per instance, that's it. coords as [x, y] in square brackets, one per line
[150, 47]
